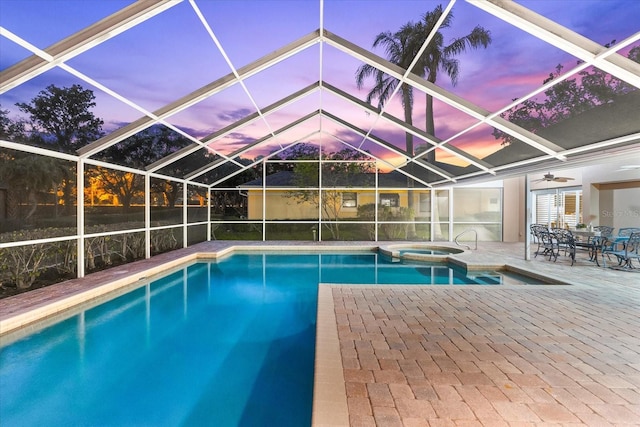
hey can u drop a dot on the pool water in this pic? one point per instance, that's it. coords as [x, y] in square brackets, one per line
[227, 342]
[424, 251]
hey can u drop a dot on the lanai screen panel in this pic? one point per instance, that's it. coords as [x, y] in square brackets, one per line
[497, 105]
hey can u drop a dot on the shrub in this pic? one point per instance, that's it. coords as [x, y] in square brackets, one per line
[23, 265]
[388, 231]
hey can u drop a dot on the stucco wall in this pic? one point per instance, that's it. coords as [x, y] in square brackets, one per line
[626, 208]
[281, 206]
[611, 194]
[513, 214]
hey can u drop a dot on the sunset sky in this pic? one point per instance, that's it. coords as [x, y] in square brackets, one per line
[171, 55]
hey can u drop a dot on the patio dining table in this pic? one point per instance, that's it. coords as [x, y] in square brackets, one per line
[590, 240]
[583, 232]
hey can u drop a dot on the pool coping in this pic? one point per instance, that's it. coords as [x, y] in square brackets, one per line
[94, 285]
[107, 281]
[329, 390]
[329, 396]
[393, 251]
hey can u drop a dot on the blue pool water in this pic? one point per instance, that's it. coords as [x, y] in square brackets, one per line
[224, 343]
[424, 251]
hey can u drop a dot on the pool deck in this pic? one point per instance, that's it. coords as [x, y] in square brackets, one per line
[529, 355]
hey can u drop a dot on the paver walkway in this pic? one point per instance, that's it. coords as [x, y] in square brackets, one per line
[494, 356]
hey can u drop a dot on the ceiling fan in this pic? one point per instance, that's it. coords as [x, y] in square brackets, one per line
[549, 177]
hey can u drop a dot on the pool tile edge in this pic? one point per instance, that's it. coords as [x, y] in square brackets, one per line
[14, 318]
[53, 308]
[329, 392]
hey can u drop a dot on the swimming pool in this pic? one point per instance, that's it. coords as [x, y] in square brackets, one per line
[226, 342]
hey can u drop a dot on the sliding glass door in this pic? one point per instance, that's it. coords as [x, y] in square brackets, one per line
[558, 207]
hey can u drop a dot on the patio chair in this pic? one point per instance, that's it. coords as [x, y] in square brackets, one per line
[616, 243]
[565, 242]
[625, 251]
[627, 231]
[548, 245]
[536, 230]
[605, 230]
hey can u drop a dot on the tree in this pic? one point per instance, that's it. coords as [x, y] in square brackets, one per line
[139, 151]
[25, 174]
[401, 48]
[567, 98]
[302, 151]
[404, 45]
[440, 57]
[344, 168]
[225, 174]
[600, 87]
[61, 117]
[12, 130]
[28, 175]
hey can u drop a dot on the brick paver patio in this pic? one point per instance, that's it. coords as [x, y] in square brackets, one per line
[494, 356]
[490, 357]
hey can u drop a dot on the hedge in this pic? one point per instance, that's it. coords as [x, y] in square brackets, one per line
[22, 265]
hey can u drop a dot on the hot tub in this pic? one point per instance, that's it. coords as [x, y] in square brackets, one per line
[420, 252]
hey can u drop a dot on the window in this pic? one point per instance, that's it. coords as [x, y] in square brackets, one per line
[390, 199]
[349, 200]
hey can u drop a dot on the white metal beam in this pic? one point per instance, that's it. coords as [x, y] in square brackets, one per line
[261, 160]
[81, 41]
[235, 126]
[381, 160]
[200, 94]
[562, 38]
[388, 146]
[408, 128]
[444, 96]
[256, 143]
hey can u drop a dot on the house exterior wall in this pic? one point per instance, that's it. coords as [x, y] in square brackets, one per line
[611, 194]
[477, 208]
[281, 206]
[626, 208]
[513, 214]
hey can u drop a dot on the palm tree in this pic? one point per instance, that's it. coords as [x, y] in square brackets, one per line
[400, 50]
[438, 57]
[402, 47]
